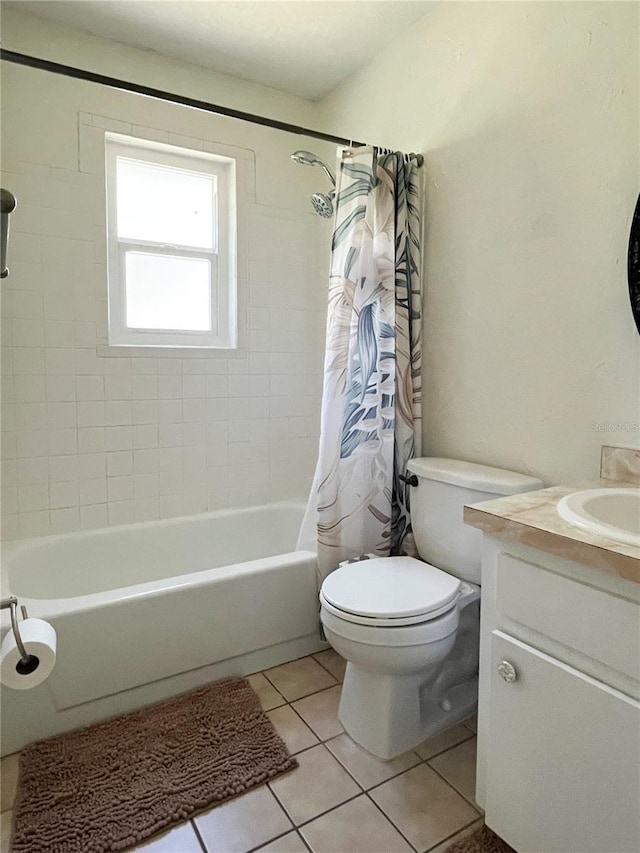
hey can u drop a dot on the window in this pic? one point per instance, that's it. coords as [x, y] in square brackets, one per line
[171, 234]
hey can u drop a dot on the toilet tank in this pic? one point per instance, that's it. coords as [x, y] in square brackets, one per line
[437, 503]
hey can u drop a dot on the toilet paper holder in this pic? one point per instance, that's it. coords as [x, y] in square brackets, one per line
[12, 604]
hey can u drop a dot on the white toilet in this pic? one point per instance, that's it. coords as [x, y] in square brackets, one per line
[410, 631]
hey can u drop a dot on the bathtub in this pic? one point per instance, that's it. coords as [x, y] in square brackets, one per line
[146, 611]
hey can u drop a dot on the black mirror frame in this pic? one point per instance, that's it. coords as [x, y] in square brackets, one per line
[633, 265]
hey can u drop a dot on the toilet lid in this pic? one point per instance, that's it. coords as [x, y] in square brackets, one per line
[390, 588]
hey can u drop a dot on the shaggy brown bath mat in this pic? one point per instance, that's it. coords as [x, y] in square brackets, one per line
[483, 840]
[115, 784]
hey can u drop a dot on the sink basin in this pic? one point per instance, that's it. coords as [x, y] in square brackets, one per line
[614, 513]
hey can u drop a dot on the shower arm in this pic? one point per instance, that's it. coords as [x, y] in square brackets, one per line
[327, 172]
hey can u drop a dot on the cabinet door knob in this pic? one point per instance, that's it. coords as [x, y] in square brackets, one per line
[507, 671]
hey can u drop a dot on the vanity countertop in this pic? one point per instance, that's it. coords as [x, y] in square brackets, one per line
[532, 519]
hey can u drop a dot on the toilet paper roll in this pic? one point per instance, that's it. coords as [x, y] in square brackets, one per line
[39, 639]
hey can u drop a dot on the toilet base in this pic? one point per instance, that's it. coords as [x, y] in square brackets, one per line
[388, 716]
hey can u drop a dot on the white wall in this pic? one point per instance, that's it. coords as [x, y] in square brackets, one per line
[91, 440]
[527, 114]
[25, 33]
[528, 117]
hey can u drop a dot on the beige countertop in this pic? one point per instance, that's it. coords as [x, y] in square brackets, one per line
[531, 519]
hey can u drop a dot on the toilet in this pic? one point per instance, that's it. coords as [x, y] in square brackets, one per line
[409, 629]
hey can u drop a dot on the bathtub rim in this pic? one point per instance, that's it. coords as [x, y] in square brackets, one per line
[52, 607]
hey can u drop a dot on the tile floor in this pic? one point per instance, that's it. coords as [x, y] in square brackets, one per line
[340, 799]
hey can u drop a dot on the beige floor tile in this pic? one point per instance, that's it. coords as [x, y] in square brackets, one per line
[299, 678]
[458, 766]
[472, 723]
[289, 843]
[5, 831]
[244, 823]
[319, 784]
[320, 712]
[293, 731]
[333, 662]
[267, 693]
[459, 836]
[8, 780]
[445, 740]
[182, 839]
[366, 768]
[423, 807]
[357, 827]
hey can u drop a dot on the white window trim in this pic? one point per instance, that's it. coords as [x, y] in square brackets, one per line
[223, 258]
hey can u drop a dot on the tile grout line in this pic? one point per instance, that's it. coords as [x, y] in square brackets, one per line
[298, 698]
[262, 673]
[194, 827]
[306, 724]
[363, 792]
[447, 748]
[386, 817]
[377, 784]
[326, 811]
[473, 804]
[341, 681]
[454, 834]
[366, 791]
[303, 839]
[271, 840]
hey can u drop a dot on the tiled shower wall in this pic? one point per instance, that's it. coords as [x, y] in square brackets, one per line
[92, 438]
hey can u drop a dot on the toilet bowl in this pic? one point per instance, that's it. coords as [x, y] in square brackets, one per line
[396, 647]
[408, 629]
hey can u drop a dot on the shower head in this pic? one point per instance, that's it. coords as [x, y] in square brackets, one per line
[305, 158]
[322, 204]
[308, 158]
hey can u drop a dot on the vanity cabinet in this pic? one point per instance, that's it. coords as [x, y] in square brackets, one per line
[559, 711]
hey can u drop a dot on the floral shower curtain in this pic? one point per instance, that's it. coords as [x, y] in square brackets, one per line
[371, 408]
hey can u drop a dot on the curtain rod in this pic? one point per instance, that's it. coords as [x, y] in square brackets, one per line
[160, 94]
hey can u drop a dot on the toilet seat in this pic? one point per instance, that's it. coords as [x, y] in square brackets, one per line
[389, 592]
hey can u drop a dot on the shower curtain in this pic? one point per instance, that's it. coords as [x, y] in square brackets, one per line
[371, 407]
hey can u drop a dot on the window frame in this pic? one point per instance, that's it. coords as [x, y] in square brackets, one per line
[222, 257]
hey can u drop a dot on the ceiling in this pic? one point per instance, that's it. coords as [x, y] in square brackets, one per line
[304, 47]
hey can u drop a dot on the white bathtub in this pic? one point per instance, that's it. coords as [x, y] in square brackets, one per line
[145, 611]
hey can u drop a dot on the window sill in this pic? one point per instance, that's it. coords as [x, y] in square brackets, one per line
[113, 351]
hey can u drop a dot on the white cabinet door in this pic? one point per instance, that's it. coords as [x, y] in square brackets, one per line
[563, 757]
